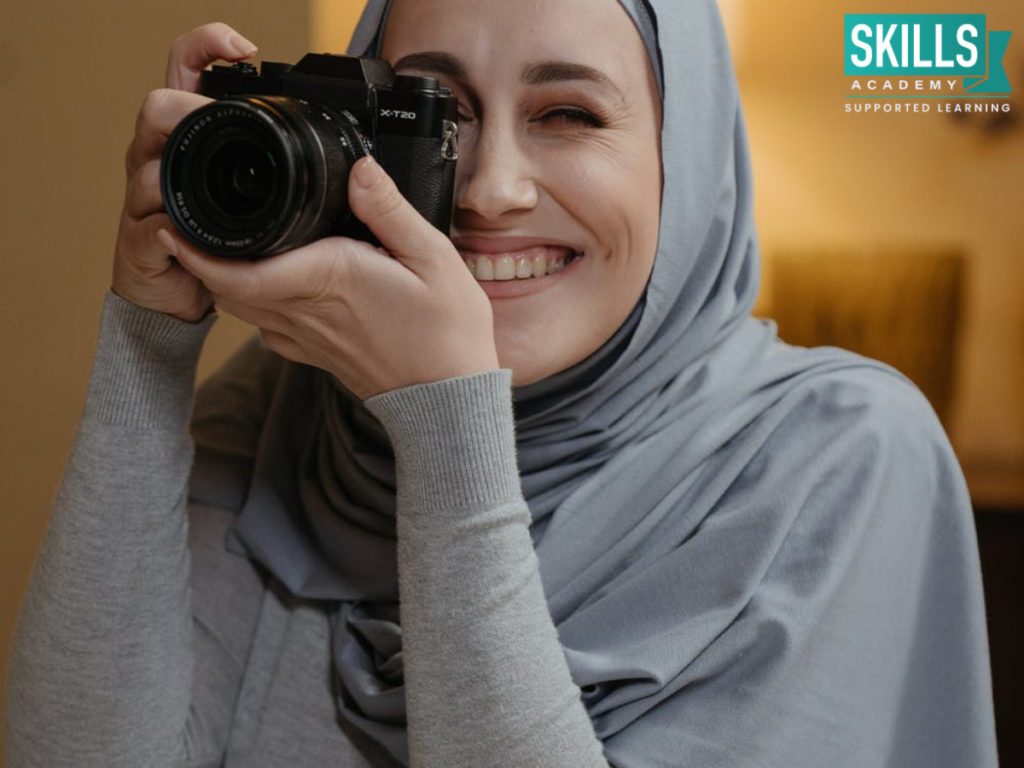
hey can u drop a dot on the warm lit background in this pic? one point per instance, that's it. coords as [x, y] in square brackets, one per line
[897, 198]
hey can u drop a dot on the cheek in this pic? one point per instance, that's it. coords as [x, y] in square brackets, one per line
[619, 204]
[615, 192]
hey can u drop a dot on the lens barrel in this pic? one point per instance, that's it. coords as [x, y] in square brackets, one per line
[253, 176]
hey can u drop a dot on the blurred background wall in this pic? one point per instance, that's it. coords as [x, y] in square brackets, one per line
[72, 76]
[830, 186]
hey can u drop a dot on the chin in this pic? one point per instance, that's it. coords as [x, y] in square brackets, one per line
[532, 359]
[528, 357]
[524, 370]
[526, 344]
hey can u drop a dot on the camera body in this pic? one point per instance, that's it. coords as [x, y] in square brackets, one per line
[264, 168]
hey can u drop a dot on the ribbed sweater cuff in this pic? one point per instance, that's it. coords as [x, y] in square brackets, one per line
[145, 366]
[454, 442]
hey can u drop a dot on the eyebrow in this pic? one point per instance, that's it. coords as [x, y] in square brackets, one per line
[432, 61]
[541, 73]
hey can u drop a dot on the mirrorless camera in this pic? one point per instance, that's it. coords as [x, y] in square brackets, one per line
[264, 168]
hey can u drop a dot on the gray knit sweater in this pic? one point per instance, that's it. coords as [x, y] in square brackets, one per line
[142, 642]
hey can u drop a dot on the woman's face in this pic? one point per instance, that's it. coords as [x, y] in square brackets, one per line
[559, 171]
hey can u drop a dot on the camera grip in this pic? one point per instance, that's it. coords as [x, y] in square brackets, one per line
[422, 175]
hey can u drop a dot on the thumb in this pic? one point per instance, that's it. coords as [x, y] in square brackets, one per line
[376, 201]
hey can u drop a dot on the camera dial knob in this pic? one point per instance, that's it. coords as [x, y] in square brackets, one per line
[413, 83]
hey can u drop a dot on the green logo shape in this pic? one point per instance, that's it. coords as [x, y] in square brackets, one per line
[997, 81]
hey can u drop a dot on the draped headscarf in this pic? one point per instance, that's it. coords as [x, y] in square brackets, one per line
[754, 554]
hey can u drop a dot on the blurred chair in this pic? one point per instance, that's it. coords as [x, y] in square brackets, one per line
[903, 306]
[900, 306]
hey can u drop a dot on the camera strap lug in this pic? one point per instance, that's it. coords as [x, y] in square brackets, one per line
[450, 141]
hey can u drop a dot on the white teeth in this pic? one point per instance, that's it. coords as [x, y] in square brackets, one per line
[484, 269]
[540, 265]
[505, 268]
[531, 262]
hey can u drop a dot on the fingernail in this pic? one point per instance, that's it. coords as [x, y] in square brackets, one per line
[367, 172]
[167, 241]
[243, 46]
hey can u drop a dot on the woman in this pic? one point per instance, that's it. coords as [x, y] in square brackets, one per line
[627, 525]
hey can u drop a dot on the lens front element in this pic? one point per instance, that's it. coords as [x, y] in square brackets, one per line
[241, 178]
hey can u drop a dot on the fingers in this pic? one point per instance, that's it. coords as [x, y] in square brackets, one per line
[401, 229]
[160, 113]
[195, 51]
[303, 273]
[164, 108]
[143, 197]
[149, 255]
[145, 274]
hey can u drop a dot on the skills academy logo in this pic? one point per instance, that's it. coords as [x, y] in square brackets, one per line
[920, 63]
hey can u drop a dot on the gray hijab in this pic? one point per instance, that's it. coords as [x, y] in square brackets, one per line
[754, 554]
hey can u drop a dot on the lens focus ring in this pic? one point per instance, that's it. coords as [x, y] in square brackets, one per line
[254, 176]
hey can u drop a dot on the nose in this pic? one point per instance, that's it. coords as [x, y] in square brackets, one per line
[494, 176]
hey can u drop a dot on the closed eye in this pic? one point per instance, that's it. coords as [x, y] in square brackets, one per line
[573, 115]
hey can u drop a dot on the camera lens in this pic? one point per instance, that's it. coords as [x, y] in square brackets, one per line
[241, 178]
[250, 177]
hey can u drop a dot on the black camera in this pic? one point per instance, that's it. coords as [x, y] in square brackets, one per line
[265, 167]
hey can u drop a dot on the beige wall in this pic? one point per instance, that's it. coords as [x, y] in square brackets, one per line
[72, 75]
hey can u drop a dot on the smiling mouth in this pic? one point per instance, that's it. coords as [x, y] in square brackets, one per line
[536, 261]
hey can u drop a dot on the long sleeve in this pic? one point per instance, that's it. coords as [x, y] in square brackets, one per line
[486, 679]
[100, 670]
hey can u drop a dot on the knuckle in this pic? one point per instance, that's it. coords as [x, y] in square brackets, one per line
[340, 267]
[391, 201]
[149, 173]
[143, 194]
[197, 44]
[207, 39]
[181, 45]
[213, 29]
[147, 178]
[247, 287]
[194, 36]
[329, 269]
[152, 107]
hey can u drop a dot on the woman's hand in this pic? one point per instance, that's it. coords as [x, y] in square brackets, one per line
[144, 273]
[376, 322]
